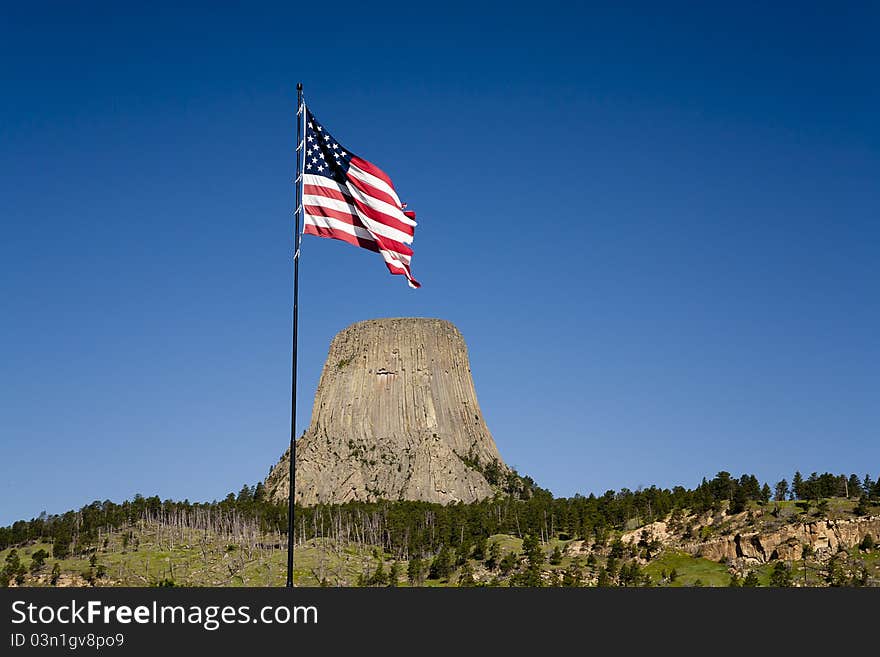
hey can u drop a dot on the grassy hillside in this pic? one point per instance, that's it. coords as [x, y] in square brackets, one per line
[156, 554]
[726, 530]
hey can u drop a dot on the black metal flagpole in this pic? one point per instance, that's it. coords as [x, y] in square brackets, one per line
[300, 151]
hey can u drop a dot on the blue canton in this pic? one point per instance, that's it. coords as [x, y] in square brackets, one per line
[324, 155]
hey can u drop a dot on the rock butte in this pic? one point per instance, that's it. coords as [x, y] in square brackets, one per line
[395, 417]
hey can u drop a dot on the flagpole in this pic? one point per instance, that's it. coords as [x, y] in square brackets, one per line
[300, 152]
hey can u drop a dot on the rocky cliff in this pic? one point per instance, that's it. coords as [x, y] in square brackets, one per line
[758, 537]
[825, 537]
[395, 417]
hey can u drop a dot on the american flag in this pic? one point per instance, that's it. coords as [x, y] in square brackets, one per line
[349, 199]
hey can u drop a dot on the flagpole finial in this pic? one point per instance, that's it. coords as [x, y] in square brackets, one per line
[299, 86]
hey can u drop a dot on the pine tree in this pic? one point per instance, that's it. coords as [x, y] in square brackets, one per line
[466, 578]
[738, 503]
[867, 485]
[441, 566]
[532, 550]
[751, 579]
[415, 572]
[797, 486]
[462, 553]
[573, 575]
[534, 560]
[781, 491]
[61, 546]
[480, 549]
[508, 563]
[494, 557]
[37, 560]
[781, 575]
[835, 575]
[394, 574]
[379, 576]
[811, 487]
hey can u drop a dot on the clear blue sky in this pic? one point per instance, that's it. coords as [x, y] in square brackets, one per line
[657, 229]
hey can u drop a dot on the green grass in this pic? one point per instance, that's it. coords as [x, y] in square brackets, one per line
[190, 558]
[193, 564]
[508, 543]
[689, 569]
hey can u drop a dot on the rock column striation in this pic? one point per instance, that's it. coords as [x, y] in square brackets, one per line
[395, 417]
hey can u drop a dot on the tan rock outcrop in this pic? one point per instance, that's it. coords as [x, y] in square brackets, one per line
[395, 417]
[825, 537]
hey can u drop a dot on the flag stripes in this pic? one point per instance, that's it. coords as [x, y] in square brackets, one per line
[352, 200]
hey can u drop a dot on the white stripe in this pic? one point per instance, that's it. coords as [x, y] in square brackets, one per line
[380, 206]
[375, 226]
[398, 260]
[357, 231]
[370, 201]
[395, 258]
[372, 180]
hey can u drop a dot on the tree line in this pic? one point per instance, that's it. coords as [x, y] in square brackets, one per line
[408, 529]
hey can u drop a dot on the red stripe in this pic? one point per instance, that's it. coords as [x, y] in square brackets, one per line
[320, 231]
[329, 192]
[383, 218]
[372, 213]
[347, 217]
[372, 169]
[394, 269]
[353, 220]
[369, 190]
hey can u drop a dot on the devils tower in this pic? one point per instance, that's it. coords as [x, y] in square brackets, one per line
[395, 417]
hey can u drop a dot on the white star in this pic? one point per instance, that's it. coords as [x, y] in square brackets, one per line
[314, 159]
[309, 152]
[311, 138]
[335, 146]
[321, 168]
[320, 129]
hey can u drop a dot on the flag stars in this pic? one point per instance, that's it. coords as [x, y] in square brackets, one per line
[320, 152]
